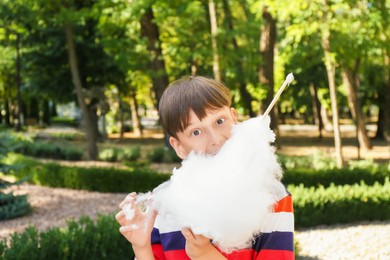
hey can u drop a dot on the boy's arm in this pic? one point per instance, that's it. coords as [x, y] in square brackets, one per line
[198, 247]
[138, 229]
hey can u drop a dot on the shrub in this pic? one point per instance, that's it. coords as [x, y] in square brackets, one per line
[156, 155]
[130, 154]
[311, 177]
[84, 239]
[50, 150]
[94, 179]
[163, 154]
[118, 154]
[11, 206]
[340, 204]
[108, 155]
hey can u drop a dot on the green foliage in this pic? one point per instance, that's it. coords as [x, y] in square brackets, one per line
[50, 150]
[64, 121]
[118, 154]
[162, 154]
[340, 204]
[311, 177]
[317, 160]
[84, 239]
[157, 154]
[13, 206]
[94, 179]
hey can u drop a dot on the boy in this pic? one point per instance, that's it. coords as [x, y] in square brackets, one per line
[196, 113]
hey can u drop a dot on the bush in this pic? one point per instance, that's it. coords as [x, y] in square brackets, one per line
[311, 177]
[163, 154]
[11, 206]
[50, 150]
[84, 239]
[340, 204]
[130, 154]
[156, 155]
[94, 179]
[117, 154]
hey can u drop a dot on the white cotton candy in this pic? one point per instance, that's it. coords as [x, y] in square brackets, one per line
[228, 196]
[129, 211]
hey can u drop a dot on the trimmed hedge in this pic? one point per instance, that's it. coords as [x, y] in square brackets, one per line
[310, 177]
[84, 239]
[50, 150]
[340, 204]
[93, 179]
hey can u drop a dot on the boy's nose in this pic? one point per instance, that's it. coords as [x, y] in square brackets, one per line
[215, 138]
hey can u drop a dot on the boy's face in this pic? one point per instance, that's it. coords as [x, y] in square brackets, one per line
[205, 136]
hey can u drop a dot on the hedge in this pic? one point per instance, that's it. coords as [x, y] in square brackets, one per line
[93, 179]
[340, 204]
[84, 239]
[311, 177]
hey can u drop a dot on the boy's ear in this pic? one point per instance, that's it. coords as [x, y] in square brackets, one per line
[234, 114]
[177, 147]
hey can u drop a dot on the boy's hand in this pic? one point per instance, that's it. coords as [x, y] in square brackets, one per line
[199, 247]
[138, 229]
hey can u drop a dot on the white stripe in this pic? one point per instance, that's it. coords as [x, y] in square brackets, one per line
[279, 221]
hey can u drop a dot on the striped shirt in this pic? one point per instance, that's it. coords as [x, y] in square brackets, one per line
[277, 242]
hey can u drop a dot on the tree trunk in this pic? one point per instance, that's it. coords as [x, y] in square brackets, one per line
[88, 122]
[46, 112]
[350, 80]
[19, 116]
[214, 41]
[331, 71]
[246, 97]
[316, 109]
[386, 112]
[7, 112]
[121, 126]
[266, 71]
[159, 76]
[137, 128]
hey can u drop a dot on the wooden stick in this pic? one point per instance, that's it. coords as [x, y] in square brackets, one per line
[289, 79]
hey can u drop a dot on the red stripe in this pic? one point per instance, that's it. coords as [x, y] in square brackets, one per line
[177, 255]
[275, 254]
[158, 252]
[284, 205]
[239, 254]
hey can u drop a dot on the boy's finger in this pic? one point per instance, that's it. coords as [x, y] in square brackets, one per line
[188, 235]
[120, 216]
[127, 200]
[128, 228]
[152, 219]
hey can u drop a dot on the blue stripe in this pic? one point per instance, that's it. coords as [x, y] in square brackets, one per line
[155, 236]
[173, 241]
[275, 241]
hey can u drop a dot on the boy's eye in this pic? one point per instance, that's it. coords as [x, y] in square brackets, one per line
[220, 121]
[196, 132]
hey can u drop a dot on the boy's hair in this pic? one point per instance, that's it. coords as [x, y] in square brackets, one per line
[195, 93]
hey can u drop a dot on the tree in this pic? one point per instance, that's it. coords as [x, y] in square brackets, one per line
[214, 41]
[266, 71]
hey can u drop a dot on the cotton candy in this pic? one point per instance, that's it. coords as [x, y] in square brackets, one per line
[226, 197]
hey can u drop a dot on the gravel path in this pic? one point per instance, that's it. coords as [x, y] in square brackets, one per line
[52, 207]
[367, 240]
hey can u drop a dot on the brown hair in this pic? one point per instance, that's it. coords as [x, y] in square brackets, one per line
[195, 93]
